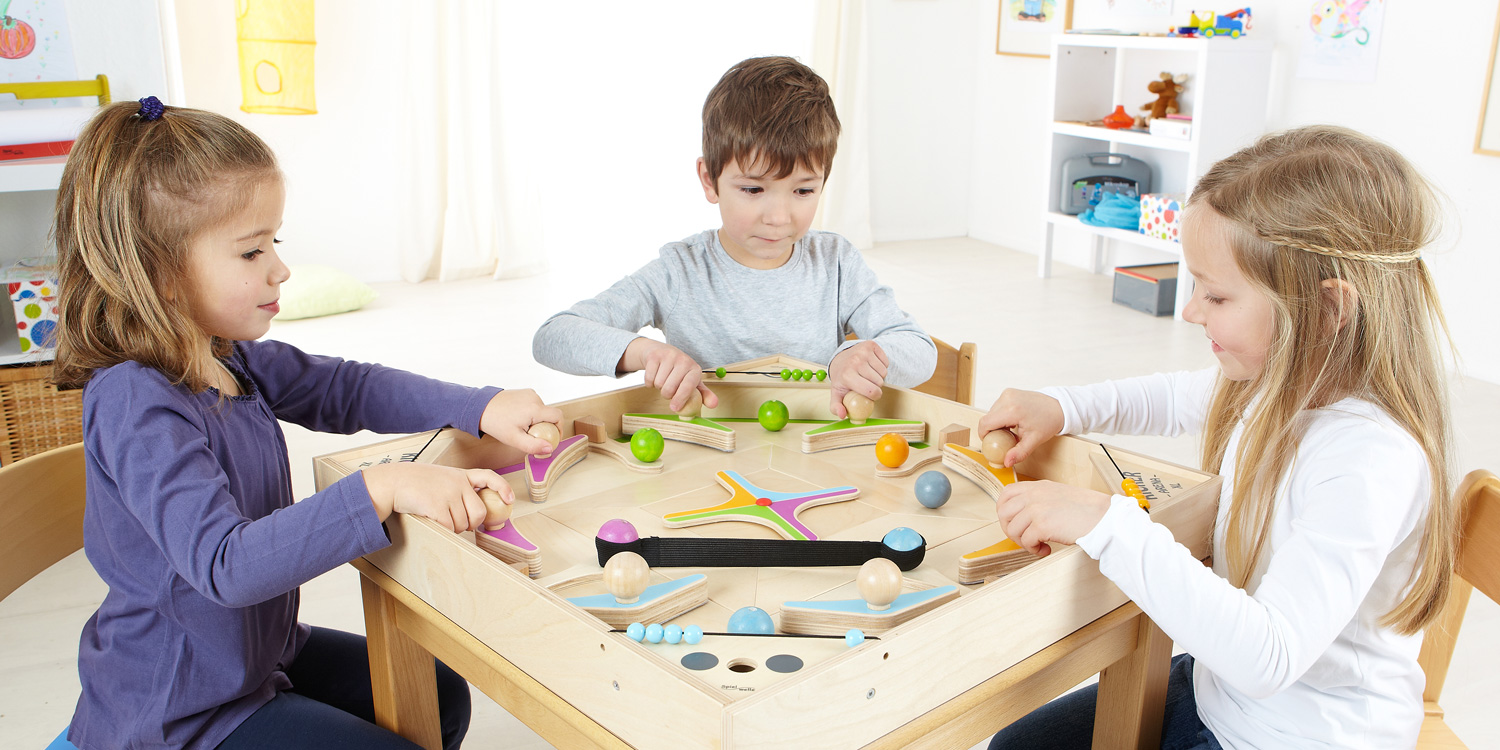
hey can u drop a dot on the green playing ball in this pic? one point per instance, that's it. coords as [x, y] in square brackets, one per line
[647, 445]
[786, 374]
[772, 415]
[720, 373]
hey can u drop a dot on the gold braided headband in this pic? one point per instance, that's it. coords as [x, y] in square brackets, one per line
[1403, 257]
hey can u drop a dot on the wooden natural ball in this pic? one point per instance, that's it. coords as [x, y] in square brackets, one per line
[625, 576]
[548, 432]
[692, 408]
[859, 407]
[496, 511]
[996, 444]
[879, 583]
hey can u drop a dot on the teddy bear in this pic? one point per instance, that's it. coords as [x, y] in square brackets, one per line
[1166, 91]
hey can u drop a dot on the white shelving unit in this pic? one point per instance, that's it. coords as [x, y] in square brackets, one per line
[1226, 94]
[16, 178]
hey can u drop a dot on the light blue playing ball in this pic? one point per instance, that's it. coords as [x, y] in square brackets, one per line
[635, 632]
[933, 489]
[902, 539]
[854, 637]
[692, 634]
[751, 620]
[672, 634]
[654, 632]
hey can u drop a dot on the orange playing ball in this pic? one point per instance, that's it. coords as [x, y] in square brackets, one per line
[892, 450]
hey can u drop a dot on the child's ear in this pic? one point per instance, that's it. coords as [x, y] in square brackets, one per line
[710, 190]
[1341, 300]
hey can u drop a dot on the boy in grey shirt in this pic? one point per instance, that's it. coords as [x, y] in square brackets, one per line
[763, 283]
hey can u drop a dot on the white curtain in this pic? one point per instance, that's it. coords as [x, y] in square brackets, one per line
[466, 214]
[841, 56]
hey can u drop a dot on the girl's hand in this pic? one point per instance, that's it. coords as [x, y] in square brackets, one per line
[444, 494]
[669, 370]
[511, 412]
[1038, 514]
[860, 368]
[1034, 418]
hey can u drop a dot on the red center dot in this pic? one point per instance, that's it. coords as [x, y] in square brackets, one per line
[763, 501]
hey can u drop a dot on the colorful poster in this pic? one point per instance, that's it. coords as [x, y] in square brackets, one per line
[1341, 40]
[1026, 26]
[35, 45]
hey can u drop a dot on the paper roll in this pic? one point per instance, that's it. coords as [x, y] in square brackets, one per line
[42, 124]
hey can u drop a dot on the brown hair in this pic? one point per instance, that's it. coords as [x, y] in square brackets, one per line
[135, 193]
[773, 112]
[1304, 206]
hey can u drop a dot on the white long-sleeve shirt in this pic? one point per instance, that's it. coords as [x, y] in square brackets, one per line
[1298, 659]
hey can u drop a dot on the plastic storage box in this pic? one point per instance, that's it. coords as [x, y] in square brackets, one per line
[1085, 179]
[1151, 289]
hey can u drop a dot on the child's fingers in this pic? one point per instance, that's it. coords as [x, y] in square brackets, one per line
[1026, 442]
[671, 387]
[836, 401]
[710, 400]
[474, 509]
[486, 479]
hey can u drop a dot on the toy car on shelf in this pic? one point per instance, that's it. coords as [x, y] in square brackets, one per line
[1208, 24]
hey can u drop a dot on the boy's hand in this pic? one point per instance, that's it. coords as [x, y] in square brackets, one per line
[444, 494]
[511, 412]
[668, 369]
[1034, 418]
[860, 368]
[1038, 514]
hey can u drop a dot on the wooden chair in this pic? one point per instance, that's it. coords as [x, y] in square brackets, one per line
[41, 518]
[953, 378]
[1478, 565]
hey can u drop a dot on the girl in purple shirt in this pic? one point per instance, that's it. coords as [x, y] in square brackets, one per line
[165, 228]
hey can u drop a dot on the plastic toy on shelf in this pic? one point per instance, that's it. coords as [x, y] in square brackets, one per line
[1207, 24]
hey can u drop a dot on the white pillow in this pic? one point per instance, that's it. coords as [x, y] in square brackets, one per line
[315, 290]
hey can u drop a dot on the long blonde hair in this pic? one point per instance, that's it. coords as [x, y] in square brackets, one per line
[1304, 206]
[135, 193]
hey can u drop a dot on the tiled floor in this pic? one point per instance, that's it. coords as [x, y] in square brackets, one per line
[1030, 332]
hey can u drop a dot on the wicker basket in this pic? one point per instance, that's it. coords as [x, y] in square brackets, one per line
[34, 415]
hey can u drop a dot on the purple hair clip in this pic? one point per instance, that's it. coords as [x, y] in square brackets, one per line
[151, 108]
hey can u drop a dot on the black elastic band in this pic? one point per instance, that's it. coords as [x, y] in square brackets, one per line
[698, 552]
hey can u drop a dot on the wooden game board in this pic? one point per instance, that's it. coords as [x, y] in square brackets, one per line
[581, 685]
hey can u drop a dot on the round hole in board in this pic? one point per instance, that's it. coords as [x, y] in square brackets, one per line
[741, 665]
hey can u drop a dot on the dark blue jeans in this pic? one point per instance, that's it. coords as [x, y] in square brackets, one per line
[1068, 722]
[330, 703]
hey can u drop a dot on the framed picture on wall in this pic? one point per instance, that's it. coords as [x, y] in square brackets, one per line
[1026, 26]
[1487, 141]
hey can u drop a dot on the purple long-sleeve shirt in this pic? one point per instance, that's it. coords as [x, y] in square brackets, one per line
[190, 521]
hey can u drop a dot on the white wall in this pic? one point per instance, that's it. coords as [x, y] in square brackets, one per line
[1425, 101]
[606, 95]
[921, 117]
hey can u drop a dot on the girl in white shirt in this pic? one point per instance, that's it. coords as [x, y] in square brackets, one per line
[1327, 418]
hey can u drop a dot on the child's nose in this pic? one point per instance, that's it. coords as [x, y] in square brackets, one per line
[279, 270]
[777, 212]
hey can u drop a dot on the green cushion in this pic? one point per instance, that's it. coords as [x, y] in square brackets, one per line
[315, 290]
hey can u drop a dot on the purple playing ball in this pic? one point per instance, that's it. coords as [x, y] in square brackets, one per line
[619, 531]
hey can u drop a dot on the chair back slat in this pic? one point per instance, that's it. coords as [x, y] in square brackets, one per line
[41, 513]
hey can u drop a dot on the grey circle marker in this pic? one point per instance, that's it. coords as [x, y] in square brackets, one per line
[700, 660]
[783, 663]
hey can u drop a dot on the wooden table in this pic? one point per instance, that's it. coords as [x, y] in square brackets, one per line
[946, 679]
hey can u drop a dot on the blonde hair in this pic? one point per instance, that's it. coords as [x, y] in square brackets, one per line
[1305, 206]
[135, 194]
[773, 111]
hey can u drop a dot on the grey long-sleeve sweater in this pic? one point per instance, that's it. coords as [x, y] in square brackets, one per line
[719, 311]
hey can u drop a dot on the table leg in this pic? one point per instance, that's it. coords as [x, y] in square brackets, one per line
[1133, 693]
[402, 673]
